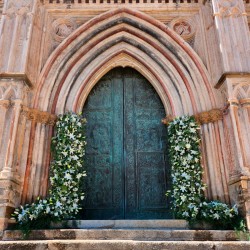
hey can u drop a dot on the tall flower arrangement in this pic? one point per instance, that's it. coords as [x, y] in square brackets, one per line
[187, 185]
[66, 174]
[187, 193]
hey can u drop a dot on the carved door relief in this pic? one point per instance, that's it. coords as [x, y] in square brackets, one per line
[126, 152]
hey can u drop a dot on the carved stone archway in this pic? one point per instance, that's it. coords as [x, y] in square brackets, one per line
[124, 37]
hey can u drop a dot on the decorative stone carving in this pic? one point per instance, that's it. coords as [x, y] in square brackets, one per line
[183, 27]
[229, 8]
[20, 7]
[242, 91]
[5, 104]
[62, 28]
[167, 119]
[39, 116]
[12, 90]
[213, 115]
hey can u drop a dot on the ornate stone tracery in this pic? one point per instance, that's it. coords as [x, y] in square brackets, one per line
[20, 7]
[229, 8]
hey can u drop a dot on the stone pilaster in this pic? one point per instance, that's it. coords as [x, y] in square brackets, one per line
[19, 40]
[13, 95]
[234, 40]
[233, 33]
[236, 88]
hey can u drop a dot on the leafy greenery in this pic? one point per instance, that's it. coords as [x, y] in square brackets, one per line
[66, 174]
[187, 193]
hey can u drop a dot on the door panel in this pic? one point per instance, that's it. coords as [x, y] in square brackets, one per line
[126, 150]
[104, 151]
[145, 147]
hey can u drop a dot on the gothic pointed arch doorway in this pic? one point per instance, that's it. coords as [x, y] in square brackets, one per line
[126, 149]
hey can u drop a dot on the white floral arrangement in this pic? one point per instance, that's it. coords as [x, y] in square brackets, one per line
[66, 174]
[217, 211]
[187, 192]
[186, 172]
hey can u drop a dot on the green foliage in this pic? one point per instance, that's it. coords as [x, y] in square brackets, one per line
[187, 193]
[66, 174]
[241, 230]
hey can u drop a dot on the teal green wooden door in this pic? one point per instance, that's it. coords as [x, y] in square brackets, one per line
[126, 149]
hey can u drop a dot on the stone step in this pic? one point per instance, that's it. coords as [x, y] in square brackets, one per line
[124, 234]
[86, 224]
[122, 245]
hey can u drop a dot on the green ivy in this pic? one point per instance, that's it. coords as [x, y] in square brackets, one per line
[66, 174]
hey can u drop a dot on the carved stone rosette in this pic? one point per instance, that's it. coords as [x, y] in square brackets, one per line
[184, 27]
[62, 28]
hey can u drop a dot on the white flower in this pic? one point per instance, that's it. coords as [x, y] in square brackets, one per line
[216, 216]
[20, 217]
[67, 176]
[58, 204]
[74, 157]
[40, 206]
[183, 197]
[65, 153]
[177, 148]
[188, 146]
[186, 176]
[71, 136]
[192, 130]
[79, 176]
[182, 188]
[32, 216]
[47, 209]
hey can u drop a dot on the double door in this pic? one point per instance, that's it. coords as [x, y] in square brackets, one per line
[126, 159]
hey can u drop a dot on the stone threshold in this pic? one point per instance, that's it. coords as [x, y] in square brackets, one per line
[122, 245]
[123, 234]
[87, 224]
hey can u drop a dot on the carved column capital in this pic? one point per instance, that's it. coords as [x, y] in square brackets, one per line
[5, 103]
[213, 115]
[245, 103]
[39, 116]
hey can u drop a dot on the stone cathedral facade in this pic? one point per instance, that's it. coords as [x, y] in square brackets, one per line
[195, 55]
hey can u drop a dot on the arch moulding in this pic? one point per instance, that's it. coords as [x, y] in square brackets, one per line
[121, 37]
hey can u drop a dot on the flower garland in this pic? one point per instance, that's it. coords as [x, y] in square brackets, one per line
[187, 193]
[66, 174]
